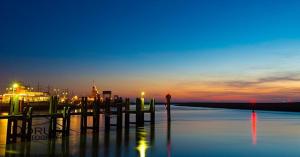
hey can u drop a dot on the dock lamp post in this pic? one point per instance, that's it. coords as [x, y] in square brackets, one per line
[143, 99]
[14, 87]
[14, 106]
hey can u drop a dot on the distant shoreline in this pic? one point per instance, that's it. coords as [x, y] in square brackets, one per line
[290, 107]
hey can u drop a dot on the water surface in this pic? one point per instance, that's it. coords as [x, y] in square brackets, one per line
[192, 132]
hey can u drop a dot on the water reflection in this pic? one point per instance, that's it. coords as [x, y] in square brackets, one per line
[215, 131]
[142, 144]
[3, 127]
[253, 128]
[169, 139]
[130, 141]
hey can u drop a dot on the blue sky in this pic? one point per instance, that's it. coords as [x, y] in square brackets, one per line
[150, 44]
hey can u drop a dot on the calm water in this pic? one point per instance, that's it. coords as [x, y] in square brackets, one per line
[192, 132]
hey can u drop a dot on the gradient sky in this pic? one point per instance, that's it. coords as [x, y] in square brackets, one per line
[201, 50]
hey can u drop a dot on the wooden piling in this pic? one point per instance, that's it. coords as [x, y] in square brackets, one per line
[29, 123]
[12, 122]
[11, 136]
[15, 129]
[53, 118]
[152, 111]
[119, 113]
[127, 114]
[139, 113]
[24, 121]
[107, 114]
[96, 114]
[168, 98]
[83, 122]
[66, 121]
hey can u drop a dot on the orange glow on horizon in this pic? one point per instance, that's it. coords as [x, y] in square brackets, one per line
[205, 88]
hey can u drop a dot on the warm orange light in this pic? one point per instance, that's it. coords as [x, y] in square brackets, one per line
[15, 85]
[75, 97]
[142, 94]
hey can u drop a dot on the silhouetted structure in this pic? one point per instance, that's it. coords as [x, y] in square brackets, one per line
[26, 119]
[59, 122]
[168, 98]
[55, 117]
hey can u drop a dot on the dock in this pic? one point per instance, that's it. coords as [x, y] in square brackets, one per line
[59, 121]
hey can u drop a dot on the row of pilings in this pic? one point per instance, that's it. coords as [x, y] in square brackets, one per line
[60, 121]
[119, 108]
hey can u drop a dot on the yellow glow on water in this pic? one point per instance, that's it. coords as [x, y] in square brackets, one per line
[3, 128]
[142, 144]
[142, 148]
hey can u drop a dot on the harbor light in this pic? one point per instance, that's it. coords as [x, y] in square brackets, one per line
[142, 94]
[15, 85]
[75, 97]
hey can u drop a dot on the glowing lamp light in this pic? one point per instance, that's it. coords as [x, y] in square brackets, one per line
[75, 97]
[15, 85]
[142, 94]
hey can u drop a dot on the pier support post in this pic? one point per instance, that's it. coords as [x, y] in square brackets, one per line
[26, 123]
[119, 113]
[12, 125]
[107, 114]
[127, 114]
[96, 114]
[24, 120]
[11, 136]
[53, 118]
[168, 98]
[29, 123]
[152, 111]
[83, 122]
[66, 121]
[139, 113]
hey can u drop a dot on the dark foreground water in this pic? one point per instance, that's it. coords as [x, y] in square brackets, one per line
[192, 132]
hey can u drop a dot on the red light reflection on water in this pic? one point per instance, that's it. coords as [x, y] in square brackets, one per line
[253, 128]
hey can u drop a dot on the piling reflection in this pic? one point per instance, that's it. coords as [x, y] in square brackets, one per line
[65, 146]
[133, 141]
[95, 145]
[82, 145]
[253, 128]
[118, 143]
[106, 143]
[110, 143]
[51, 147]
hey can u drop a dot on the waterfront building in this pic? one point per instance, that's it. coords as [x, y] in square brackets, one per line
[25, 93]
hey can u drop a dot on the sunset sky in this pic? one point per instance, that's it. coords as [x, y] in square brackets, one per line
[197, 50]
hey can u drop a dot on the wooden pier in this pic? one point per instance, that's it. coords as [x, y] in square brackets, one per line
[106, 106]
